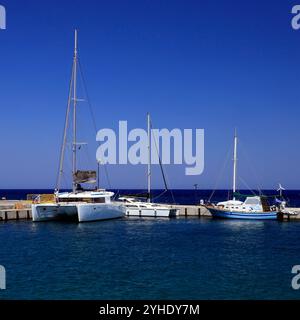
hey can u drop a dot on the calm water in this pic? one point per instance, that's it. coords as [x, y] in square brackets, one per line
[150, 259]
[135, 258]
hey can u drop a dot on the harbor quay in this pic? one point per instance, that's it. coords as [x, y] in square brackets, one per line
[21, 210]
[15, 210]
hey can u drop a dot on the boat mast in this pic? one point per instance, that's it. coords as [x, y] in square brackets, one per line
[63, 147]
[234, 164]
[74, 147]
[149, 158]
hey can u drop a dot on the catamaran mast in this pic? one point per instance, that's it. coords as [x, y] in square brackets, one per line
[234, 164]
[74, 147]
[63, 147]
[149, 157]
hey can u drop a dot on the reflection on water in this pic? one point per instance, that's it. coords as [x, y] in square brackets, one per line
[237, 225]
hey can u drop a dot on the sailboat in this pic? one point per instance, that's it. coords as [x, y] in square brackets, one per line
[254, 207]
[137, 207]
[79, 204]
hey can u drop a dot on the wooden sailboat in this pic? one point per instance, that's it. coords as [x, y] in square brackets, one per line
[254, 207]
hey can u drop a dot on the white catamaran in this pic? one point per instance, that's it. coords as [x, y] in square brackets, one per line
[136, 207]
[81, 205]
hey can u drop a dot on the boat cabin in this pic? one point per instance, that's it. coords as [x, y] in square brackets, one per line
[99, 196]
[251, 204]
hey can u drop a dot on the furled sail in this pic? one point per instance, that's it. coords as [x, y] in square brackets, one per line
[88, 176]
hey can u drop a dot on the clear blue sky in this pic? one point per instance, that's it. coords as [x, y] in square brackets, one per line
[215, 65]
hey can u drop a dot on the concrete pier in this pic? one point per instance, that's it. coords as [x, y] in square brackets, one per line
[191, 211]
[15, 210]
[21, 210]
[291, 214]
[12, 214]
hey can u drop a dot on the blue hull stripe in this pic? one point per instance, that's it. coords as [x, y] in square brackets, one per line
[241, 215]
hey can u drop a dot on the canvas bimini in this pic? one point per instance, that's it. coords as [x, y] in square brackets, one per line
[80, 205]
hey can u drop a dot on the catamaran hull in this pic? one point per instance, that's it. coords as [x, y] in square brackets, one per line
[101, 212]
[243, 215]
[79, 212]
[154, 213]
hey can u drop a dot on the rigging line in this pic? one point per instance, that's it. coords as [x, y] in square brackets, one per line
[65, 176]
[105, 167]
[161, 167]
[92, 114]
[247, 186]
[220, 174]
[87, 96]
[87, 154]
[159, 195]
[254, 172]
[160, 162]
[68, 155]
[84, 89]
[68, 169]
[63, 145]
[65, 180]
[116, 194]
[106, 174]
[228, 195]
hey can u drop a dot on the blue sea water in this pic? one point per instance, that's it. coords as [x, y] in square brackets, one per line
[134, 258]
[172, 196]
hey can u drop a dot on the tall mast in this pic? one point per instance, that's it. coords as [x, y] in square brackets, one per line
[234, 163]
[149, 157]
[74, 112]
[63, 147]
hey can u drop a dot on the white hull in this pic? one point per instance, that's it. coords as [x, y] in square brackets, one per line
[151, 212]
[82, 212]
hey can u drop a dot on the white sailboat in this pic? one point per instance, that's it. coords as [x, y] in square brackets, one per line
[253, 208]
[81, 205]
[136, 207]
